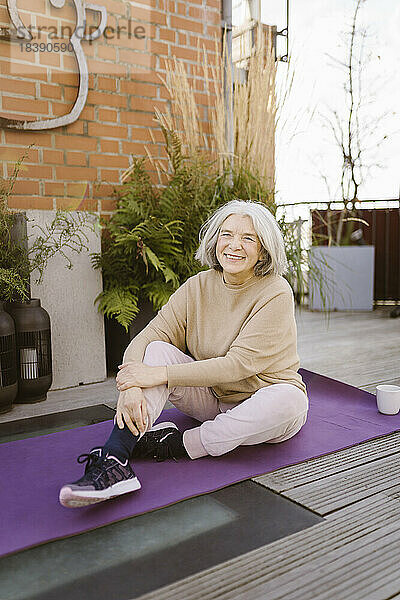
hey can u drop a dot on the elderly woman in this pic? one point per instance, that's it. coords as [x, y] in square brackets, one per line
[222, 350]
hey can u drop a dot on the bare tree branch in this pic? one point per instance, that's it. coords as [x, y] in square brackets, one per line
[356, 130]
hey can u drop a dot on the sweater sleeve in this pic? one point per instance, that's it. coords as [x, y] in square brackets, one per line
[263, 345]
[169, 325]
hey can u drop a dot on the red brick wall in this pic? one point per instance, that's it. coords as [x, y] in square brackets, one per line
[78, 165]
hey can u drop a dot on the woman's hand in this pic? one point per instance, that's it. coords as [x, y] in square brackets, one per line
[137, 374]
[131, 408]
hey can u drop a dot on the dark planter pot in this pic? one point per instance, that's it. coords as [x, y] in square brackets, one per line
[8, 361]
[34, 366]
[117, 339]
[143, 318]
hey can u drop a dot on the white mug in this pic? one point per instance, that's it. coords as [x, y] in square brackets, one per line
[388, 399]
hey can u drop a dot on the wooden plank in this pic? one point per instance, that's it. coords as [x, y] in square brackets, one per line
[342, 489]
[372, 386]
[394, 492]
[347, 573]
[327, 345]
[263, 572]
[330, 464]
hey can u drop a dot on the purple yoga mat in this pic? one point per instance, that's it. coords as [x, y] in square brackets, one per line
[33, 470]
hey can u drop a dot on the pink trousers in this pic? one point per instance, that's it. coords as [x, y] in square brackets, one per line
[272, 414]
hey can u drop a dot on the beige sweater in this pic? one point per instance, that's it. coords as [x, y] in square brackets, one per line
[242, 337]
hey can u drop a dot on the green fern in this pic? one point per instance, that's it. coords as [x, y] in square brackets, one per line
[152, 237]
[158, 293]
[159, 265]
[120, 303]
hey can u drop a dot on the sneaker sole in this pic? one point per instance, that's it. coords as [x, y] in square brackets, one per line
[74, 498]
[165, 425]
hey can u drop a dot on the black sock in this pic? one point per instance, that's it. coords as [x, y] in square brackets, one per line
[120, 443]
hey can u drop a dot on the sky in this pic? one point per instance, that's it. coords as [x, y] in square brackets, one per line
[307, 159]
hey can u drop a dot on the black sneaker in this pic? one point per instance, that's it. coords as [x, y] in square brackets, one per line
[162, 441]
[105, 477]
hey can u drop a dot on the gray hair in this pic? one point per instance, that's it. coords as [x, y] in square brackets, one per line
[272, 245]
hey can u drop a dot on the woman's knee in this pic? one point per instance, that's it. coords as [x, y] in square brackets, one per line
[159, 353]
[281, 412]
[156, 352]
[280, 401]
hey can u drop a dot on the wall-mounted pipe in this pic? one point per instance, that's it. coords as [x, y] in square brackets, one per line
[228, 81]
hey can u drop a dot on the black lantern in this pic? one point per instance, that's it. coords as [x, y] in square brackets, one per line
[8, 361]
[33, 340]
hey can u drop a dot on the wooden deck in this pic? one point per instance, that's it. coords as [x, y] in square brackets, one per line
[354, 553]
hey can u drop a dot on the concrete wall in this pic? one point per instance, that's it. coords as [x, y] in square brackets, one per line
[77, 329]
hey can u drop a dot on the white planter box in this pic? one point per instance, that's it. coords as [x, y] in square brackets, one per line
[344, 279]
[77, 328]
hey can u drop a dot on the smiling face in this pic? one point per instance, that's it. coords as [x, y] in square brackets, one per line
[238, 248]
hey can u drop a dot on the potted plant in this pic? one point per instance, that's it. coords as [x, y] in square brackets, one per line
[14, 271]
[341, 263]
[341, 275]
[19, 258]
